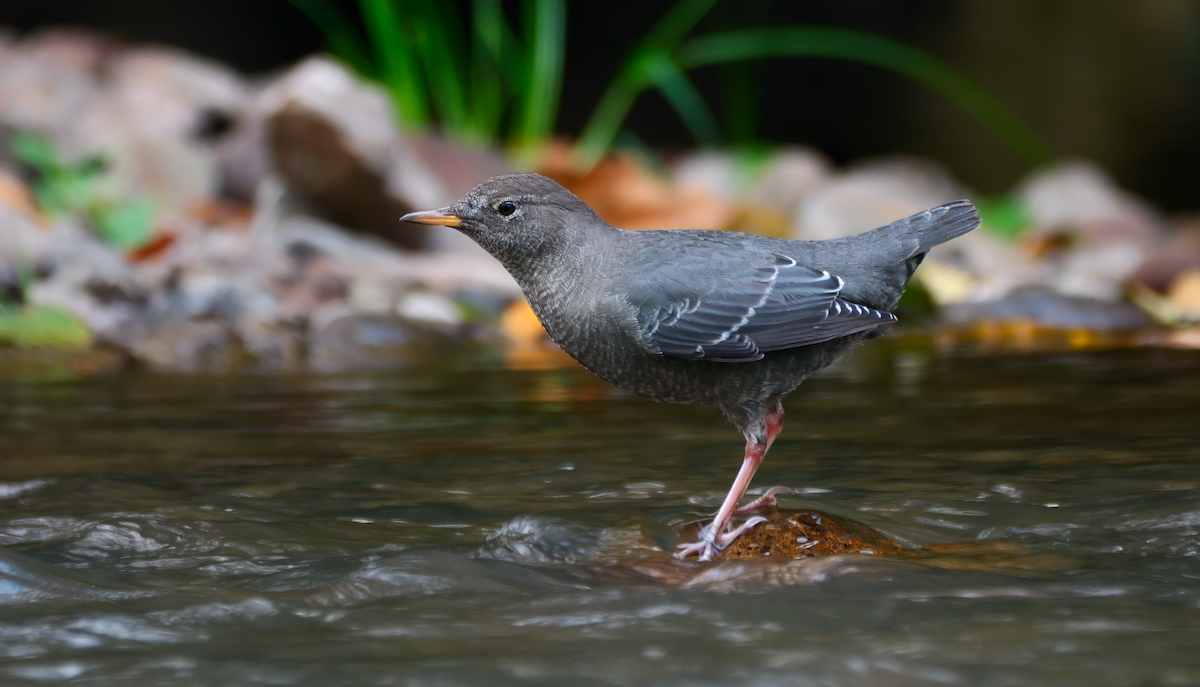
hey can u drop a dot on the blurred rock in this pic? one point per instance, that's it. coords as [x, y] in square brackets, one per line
[150, 121]
[428, 307]
[870, 196]
[791, 175]
[1079, 197]
[49, 78]
[625, 194]
[242, 159]
[717, 173]
[1090, 236]
[1050, 309]
[95, 284]
[25, 243]
[189, 346]
[976, 267]
[348, 340]
[334, 142]
[16, 197]
[1185, 295]
[1176, 253]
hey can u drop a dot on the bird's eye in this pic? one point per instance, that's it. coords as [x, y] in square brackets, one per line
[506, 208]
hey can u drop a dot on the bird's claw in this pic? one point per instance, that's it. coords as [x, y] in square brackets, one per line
[767, 500]
[711, 544]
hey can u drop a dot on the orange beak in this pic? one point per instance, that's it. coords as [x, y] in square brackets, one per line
[441, 217]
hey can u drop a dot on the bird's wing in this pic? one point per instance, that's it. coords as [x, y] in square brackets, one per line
[737, 315]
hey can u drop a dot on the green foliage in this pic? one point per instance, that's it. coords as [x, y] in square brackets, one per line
[33, 326]
[481, 79]
[82, 188]
[507, 85]
[663, 61]
[1004, 216]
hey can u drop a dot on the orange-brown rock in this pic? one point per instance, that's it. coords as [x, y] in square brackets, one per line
[807, 534]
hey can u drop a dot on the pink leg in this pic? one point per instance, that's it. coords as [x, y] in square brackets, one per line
[714, 537]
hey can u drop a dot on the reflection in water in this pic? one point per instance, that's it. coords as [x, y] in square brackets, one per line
[480, 526]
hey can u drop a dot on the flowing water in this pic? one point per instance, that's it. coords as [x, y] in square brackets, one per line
[470, 525]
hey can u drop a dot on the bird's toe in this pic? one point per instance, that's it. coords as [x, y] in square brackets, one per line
[767, 500]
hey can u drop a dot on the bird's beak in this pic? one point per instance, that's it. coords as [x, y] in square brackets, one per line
[442, 217]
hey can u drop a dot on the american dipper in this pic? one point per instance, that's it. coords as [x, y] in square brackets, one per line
[684, 316]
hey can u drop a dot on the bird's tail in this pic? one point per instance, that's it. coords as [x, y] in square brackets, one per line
[937, 225]
[878, 264]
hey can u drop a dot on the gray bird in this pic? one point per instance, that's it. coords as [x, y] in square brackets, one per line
[684, 316]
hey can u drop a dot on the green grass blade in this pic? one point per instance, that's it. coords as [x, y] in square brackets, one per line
[674, 26]
[397, 63]
[634, 76]
[345, 41]
[538, 105]
[436, 29]
[488, 51]
[737, 99]
[882, 52]
[686, 100]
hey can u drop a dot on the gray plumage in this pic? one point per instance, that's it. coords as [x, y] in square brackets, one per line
[696, 316]
[685, 316]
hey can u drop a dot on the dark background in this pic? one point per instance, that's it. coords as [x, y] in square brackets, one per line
[1109, 80]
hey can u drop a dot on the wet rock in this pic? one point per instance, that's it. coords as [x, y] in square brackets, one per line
[1047, 308]
[532, 540]
[272, 344]
[870, 196]
[189, 346]
[348, 340]
[807, 534]
[53, 364]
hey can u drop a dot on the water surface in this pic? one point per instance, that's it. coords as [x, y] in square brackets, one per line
[479, 526]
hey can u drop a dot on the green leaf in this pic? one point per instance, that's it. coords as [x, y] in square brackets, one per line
[688, 103]
[42, 326]
[398, 65]
[125, 225]
[857, 46]
[538, 105]
[345, 40]
[1006, 216]
[490, 57]
[633, 78]
[436, 30]
[37, 152]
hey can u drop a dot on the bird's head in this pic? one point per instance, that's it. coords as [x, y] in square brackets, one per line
[516, 217]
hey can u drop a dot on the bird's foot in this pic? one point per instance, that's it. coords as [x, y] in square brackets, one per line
[711, 544]
[767, 500]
